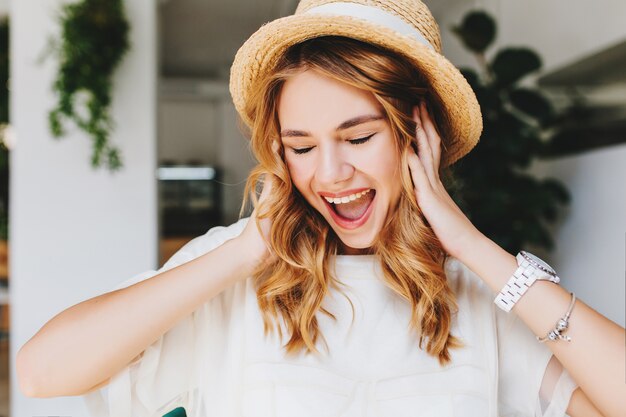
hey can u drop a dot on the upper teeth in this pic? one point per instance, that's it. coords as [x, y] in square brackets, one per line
[347, 198]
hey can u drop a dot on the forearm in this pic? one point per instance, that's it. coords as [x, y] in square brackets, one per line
[93, 340]
[595, 357]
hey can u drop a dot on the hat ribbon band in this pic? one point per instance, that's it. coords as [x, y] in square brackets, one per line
[372, 15]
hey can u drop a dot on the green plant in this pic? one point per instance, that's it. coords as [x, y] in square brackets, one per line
[94, 41]
[506, 203]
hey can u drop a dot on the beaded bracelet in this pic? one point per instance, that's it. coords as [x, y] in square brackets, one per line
[561, 325]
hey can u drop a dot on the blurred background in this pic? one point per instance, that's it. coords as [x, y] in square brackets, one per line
[72, 229]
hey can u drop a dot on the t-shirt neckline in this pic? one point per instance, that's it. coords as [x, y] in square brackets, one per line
[357, 266]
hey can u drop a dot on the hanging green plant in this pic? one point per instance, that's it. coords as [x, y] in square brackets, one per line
[94, 41]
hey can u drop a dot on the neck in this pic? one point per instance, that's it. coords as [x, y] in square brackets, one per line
[347, 250]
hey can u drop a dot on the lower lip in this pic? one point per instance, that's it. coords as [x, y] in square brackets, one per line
[350, 224]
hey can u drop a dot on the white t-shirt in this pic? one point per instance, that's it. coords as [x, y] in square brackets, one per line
[217, 362]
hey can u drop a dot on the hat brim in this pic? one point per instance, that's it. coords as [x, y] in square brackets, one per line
[260, 53]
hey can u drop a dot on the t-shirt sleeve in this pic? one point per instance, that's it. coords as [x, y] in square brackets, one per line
[161, 378]
[531, 381]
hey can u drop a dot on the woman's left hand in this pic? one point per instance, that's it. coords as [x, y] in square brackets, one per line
[452, 227]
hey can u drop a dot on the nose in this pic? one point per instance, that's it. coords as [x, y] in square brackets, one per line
[332, 166]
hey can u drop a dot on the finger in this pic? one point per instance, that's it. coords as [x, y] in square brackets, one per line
[275, 146]
[265, 193]
[418, 174]
[267, 187]
[264, 225]
[424, 151]
[267, 183]
[434, 139]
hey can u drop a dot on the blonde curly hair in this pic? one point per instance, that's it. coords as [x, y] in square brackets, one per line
[295, 283]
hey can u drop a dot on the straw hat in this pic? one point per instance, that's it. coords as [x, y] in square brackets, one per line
[405, 27]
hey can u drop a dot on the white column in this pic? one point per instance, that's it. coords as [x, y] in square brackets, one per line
[76, 232]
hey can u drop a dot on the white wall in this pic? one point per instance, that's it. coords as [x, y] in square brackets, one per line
[188, 130]
[76, 232]
[237, 159]
[589, 253]
[561, 31]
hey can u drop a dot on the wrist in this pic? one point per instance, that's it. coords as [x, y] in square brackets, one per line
[466, 244]
[251, 253]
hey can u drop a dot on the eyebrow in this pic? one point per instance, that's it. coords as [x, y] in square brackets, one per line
[355, 121]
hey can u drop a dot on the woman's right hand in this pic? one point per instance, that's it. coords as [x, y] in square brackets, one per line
[251, 238]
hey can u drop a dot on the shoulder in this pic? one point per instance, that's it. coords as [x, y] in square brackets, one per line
[195, 248]
[214, 237]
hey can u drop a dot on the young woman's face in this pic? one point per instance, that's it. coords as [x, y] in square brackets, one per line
[338, 144]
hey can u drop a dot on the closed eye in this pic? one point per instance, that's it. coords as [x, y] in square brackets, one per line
[360, 140]
[357, 141]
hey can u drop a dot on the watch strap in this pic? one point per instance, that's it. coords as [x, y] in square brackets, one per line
[524, 276]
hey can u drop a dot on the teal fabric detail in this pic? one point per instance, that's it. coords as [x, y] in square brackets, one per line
[177, 412]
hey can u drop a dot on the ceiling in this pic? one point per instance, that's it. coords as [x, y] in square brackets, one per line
[199, 38]
[597, 69]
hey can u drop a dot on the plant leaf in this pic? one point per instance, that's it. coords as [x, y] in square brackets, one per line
[533, 103]
[477, 31]
[511, 64]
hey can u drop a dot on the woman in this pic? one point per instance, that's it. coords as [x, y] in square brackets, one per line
[357, 287]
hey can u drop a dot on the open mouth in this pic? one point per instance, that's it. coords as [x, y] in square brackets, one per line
[354, 213]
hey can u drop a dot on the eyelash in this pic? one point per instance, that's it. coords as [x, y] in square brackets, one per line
[357, 141]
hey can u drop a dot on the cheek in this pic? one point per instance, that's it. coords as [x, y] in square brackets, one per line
[386, 163]
[299, 174]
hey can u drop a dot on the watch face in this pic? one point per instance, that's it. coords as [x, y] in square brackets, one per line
[540, 262]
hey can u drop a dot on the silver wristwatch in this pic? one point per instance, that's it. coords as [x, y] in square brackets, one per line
[530, 269]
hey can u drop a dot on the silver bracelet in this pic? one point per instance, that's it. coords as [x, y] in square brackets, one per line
[561, 325]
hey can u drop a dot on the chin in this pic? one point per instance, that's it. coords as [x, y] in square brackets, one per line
[357, 242]
[357, 246]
